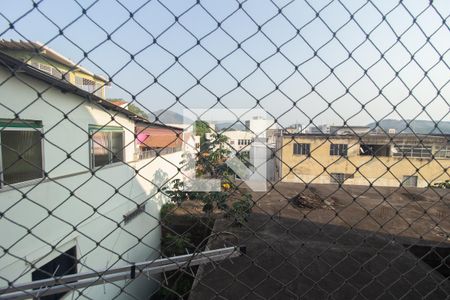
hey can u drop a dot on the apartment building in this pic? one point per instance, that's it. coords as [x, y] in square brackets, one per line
[370, 159]
[74, 190]
[239, 141]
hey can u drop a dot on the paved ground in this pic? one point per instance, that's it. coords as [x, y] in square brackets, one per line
[352, 247]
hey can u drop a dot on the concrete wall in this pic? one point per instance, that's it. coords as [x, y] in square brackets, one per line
[49, 209]
[380, 171]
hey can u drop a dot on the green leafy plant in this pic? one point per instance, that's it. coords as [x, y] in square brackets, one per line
[240, 209]
[212, 157]
[131, 107]
[175, 191]
[175, 244]
[167, 209]
[212, 164]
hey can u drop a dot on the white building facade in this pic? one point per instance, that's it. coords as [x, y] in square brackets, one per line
[261, 127]
[67, 193]
[239, 141]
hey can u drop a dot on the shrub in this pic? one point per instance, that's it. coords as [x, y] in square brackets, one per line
[175, 244]
[166, 209]
[240, 209]
[175, 191]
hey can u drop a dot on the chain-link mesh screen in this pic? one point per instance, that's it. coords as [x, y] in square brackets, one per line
[257, 149]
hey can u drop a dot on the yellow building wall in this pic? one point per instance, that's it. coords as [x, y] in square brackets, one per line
[63, 69]
[379, 171]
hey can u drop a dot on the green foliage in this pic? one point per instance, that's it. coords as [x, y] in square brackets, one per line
[179, 286]
[136, 110]
[201, 128]
[240, 209]
[175, 244]
[211, 159]
[167, 209]
[211, 200]
[131, 107]
[443, 185]
[175, 191]
[212, 164]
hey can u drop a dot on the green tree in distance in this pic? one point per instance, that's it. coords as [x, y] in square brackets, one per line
[131, 107]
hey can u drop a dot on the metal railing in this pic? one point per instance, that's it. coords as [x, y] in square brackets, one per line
[144, 154]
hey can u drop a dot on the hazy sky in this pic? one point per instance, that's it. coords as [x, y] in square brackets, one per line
[346, 50]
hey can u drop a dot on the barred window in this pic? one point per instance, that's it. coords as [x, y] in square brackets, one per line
[242, 142]
[88, 85]
[339, 149]
[443, 152]
[106, 146]
[21, 151]
[301, 149]
[417, 151]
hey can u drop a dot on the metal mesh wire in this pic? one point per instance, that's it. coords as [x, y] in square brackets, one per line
[90, 184]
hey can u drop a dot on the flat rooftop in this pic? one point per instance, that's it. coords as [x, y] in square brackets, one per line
[357, 243]
[368, 135]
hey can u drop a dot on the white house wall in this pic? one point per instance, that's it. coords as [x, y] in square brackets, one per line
[62, 135]
[114, 191]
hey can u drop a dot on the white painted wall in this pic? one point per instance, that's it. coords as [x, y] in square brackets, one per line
[235, 135]
[68, 210]
[260, 126]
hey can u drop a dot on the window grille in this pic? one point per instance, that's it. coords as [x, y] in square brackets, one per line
[301, 149]
[338, 149]
[443, 152]
[412, 151]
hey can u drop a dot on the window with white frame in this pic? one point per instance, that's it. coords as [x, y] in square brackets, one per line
[21, 151]
[107, 145]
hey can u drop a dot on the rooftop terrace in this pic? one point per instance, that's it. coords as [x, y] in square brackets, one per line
[357, 243]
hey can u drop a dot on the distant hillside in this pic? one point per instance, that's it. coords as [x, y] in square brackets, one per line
[230, 125]
[168, 117]
[417, 126]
